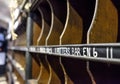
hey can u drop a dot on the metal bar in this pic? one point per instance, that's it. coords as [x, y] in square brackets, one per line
[86, 53]
[19, 48]
[93, 52]
[24, 48]
[29, 42]
[109, 52]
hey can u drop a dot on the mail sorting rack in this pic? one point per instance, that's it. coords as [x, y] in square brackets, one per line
[68, 42]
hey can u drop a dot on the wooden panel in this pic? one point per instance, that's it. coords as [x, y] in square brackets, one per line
[53, 39]
[36, 67]
[103, 29]
[105, 23]
[79, 17]
[36, 32]
[19, 57]
[21, 40]
[72, 22]
[59, 9]
[46, 21]
[21, 81]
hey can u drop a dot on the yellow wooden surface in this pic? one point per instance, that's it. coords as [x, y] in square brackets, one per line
[105, 26]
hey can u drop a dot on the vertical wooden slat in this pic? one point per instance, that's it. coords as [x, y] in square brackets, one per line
[105, 22]
[35, 60]
[44, 73]
[59, 9]
[20, 56]
[79, 18]
[36, 32]
[53, 39]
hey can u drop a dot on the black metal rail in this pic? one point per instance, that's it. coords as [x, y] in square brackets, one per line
[95, 52]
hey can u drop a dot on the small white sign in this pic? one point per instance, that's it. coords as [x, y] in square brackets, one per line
[2, 58]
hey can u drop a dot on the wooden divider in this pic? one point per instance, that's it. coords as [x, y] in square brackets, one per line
[21, 40]
[35, 59]
[21, 81]
[45, 12]
[52, 39]
[79, 17]
[36, 32]
[20, 56]
[103, 29]
[104, 24]
[17, 55]
[59, 10]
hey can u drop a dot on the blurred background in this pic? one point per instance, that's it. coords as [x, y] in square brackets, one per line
[4, 13]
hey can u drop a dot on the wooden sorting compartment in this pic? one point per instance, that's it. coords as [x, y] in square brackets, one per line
[19, 56]
[63, 22]
[103, 26]
[35, 60]
[58, 18]
[45, 13]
